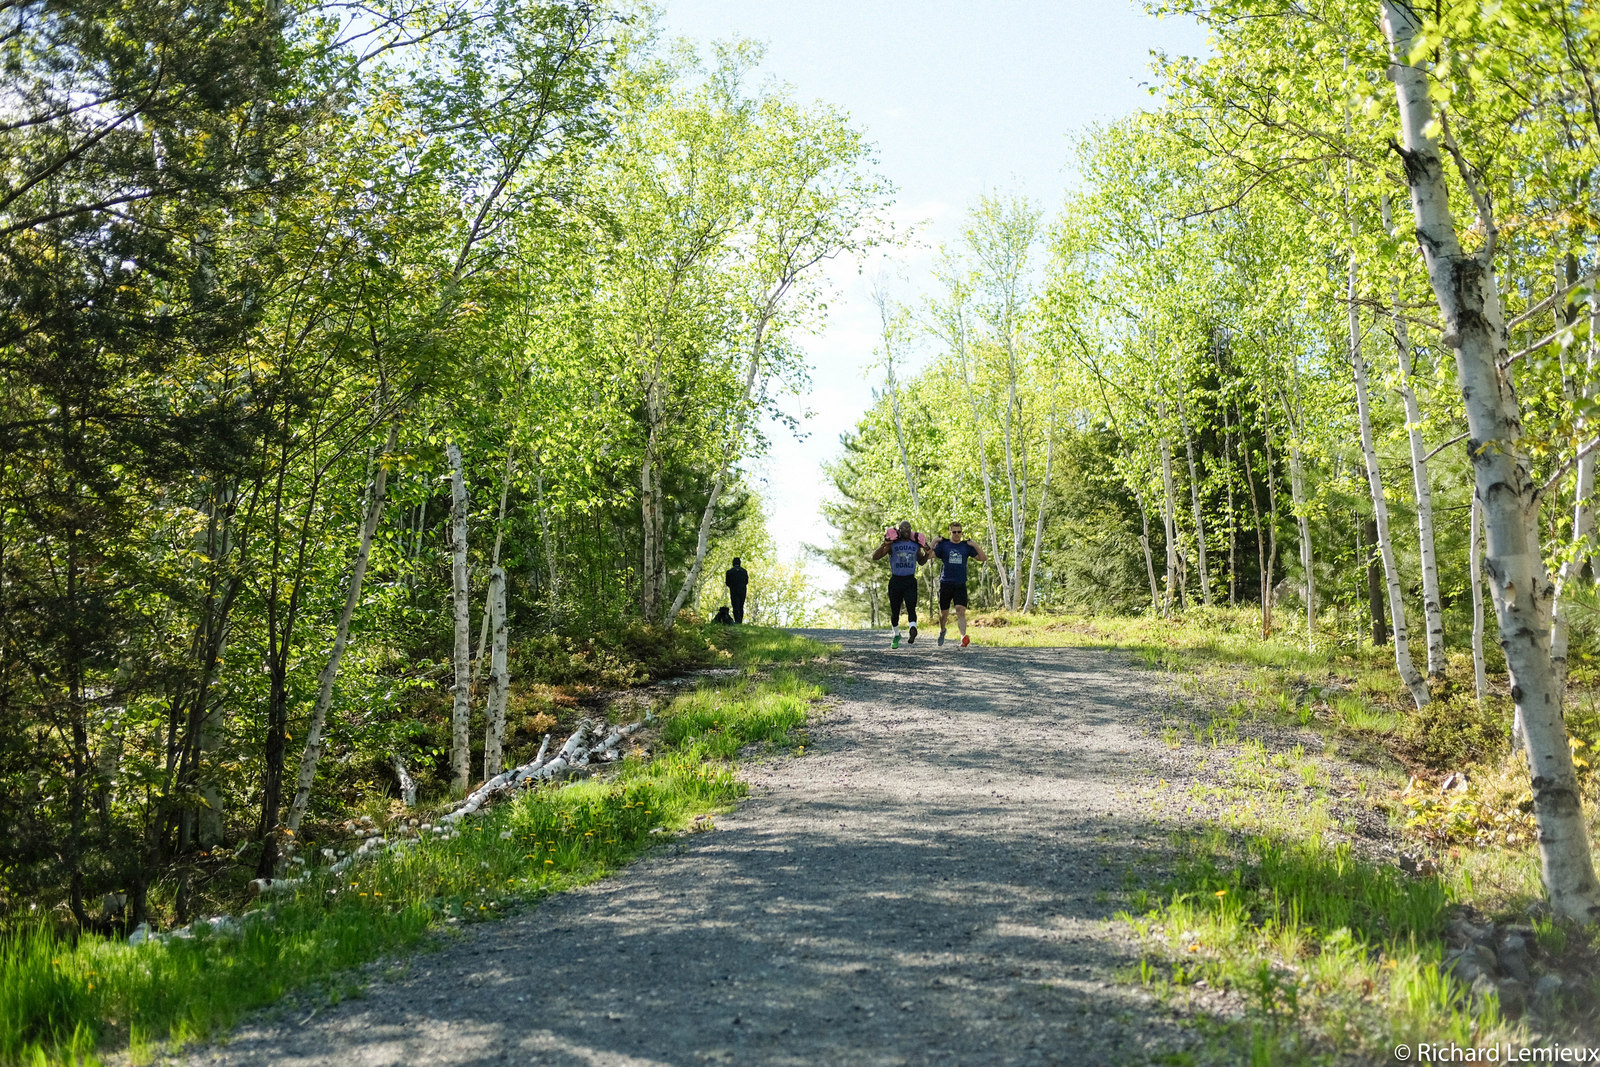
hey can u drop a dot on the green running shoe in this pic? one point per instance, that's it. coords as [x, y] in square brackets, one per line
[896, 642]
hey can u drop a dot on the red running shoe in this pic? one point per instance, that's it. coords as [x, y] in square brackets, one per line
[965, 640]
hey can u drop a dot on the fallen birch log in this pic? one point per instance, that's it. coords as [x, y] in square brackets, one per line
[577, 753]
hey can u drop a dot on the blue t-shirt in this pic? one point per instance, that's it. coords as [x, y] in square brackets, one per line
[955, 555]
[903, 558]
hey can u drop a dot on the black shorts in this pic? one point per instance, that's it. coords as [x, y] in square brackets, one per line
[903, 590]
[952, 593]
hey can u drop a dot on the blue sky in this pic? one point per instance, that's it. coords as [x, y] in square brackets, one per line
[960, 98]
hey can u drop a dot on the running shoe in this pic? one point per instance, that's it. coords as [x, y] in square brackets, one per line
[941, 635]
[896, 642]
[913, 638]
[965, 640]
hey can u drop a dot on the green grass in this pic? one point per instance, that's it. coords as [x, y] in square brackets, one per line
[716, 723]
[766, 646]
[1332, 954]
[60, 1001]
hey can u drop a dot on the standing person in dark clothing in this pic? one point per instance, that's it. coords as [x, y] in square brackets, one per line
[737, 580]
[955, 550]
[905, 550]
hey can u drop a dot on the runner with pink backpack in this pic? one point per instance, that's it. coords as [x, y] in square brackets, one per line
[906, 551]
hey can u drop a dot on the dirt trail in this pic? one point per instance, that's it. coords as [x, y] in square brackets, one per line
[929, 883]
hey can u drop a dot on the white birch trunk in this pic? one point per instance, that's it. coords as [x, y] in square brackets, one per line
[1583, 526]
[494, 561]
[212, 801]
[1432, 603]
[1144, 543]
[983, 468]
[900, 437]
[1469, 300]
[1169, 519]
[650, 507]
[408, 784]
[544, 533]
[1480, 677]
[1297, 496]
[461, 710]
[881, 298]
[1017, 504]
[752, 376]
[1272, 521]
[494, 733]
[1194, 500]
[1414, 681]
[1044, 499]
[311, 755]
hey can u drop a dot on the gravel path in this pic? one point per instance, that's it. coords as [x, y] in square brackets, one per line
[929, 883]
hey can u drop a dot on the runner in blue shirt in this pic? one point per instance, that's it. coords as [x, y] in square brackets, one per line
[905, 551]
[955, 550]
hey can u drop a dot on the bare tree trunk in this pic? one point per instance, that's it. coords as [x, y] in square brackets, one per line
[461, 709]
[1414, 682]
[408, 784]
[1432, 603]
[1009, 588]
[1469, 299]
[1272, 523]
[748, 402]
[1194, 500]
[416, 553]
[212, 801]
[1144, 543]
[983, 463]
[311, 755]
[1375, 586]
[650, 506]
[1233, 525]
[1169, 518]
[1297, 497]
[1583, 525]
[494, 561]
[881, 298]
[1044, 497]
[499, 679]
[544, 533]
[1480, 678]
[1261, 548]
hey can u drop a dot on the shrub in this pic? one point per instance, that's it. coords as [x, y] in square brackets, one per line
[1454, 731]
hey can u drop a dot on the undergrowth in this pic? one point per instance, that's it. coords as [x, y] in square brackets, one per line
[62, 999]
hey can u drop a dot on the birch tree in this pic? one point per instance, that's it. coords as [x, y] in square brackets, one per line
[1465, 286]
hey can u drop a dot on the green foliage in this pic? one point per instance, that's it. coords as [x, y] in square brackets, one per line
[64, 997]
[249, 261]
